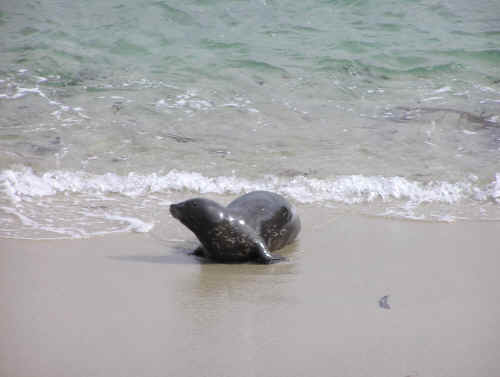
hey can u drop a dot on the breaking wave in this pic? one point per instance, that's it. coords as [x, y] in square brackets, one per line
[66, 204]
[352, 189]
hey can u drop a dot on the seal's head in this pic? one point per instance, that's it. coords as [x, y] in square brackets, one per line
[199, 215]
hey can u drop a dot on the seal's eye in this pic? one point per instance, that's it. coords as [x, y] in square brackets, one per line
[194, 204]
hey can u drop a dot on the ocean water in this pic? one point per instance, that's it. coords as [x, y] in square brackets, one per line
[386, 108]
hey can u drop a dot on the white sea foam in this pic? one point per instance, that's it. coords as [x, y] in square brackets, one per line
[24, 219]
[191, 101]
[444, 89]
[18, 184]
[21, 92]
[427, 99]
[18, 92]
[494, 189]
[467, 132]
[185, 102]
[65, 204]
[79, 224]
[133, 224]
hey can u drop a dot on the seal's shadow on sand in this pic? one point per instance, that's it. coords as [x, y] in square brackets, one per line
[178, 255]
[183, 254]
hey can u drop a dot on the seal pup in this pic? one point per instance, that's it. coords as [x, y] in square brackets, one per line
[248, 229]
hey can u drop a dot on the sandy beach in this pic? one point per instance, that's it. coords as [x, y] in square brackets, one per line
[139, 305]
[379, 120]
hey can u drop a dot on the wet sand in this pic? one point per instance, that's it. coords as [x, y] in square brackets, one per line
[140, 305]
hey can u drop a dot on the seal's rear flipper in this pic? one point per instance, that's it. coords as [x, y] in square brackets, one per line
[275, 258]
[264, 256]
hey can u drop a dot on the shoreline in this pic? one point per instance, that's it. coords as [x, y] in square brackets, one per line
[135, 304]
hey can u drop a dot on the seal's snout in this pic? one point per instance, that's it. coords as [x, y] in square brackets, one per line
[175, 210]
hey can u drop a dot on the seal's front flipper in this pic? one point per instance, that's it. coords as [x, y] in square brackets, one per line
[199, 251]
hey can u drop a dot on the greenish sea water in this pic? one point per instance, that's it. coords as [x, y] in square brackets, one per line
[387, 107]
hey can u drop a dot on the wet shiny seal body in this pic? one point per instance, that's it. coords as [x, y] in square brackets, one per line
[249, 228]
